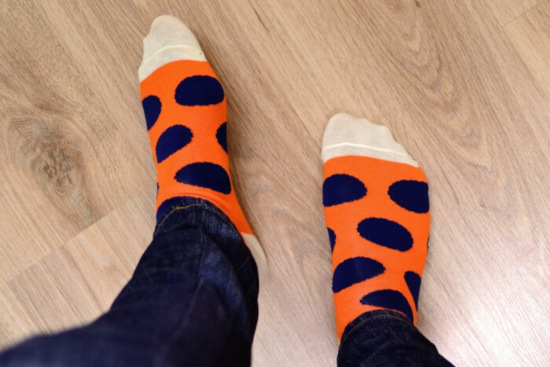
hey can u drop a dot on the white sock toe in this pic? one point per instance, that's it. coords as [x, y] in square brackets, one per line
[168, 40]
[349, 135]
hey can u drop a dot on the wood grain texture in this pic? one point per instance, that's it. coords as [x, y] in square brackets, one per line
[466, 97]
[62, 143]
[507, 10]
[530, 35]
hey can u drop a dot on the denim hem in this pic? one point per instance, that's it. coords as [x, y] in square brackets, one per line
[386, 338]
[189, 202]
[370, 316]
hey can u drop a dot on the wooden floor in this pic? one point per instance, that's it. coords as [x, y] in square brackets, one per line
[464, 86]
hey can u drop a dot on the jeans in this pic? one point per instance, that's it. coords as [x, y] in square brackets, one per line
[192, 301]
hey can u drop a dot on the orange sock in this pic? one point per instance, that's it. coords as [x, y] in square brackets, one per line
[185, 111]
[377, 213]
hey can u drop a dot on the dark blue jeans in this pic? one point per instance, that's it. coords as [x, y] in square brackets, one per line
[192, 301]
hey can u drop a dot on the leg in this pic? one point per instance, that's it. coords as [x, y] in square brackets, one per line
[377, 213]
[191, 301]
[193, 297]
[384, 338]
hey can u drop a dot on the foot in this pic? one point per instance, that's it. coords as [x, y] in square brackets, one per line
[377, 213]
[185, 111]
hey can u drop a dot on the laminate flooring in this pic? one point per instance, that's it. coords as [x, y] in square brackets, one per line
[463, 85]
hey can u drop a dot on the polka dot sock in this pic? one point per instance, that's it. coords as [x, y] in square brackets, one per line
[185, 111]
[376, 207]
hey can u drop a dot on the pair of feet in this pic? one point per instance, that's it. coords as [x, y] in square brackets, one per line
[375, 196]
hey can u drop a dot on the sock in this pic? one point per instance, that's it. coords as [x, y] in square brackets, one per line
[376, 207]
[185, 111]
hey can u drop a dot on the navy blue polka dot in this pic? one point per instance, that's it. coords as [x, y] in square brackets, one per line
[413, 282]
[199, 90]
[151, 108]
[221, 136]
[206, 175]
[411, 195]
[332, 238]
[341, 188]
[171, 140]
[386, 233]
[388, 298]
[355, 270]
